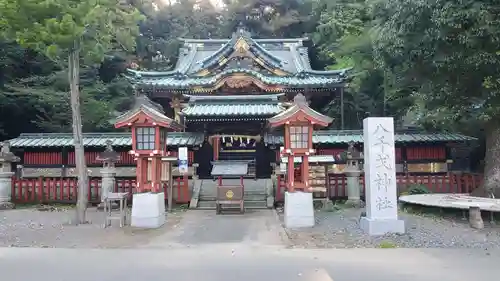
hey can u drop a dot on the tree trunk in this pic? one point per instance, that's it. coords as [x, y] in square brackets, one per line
[81, 167]
[491, 180]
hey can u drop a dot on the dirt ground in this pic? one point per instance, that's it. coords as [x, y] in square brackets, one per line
[53, 229]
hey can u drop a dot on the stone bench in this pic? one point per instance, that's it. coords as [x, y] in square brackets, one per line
[475, 207]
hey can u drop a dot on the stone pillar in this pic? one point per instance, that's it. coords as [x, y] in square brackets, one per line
[353, 187]
[6, 160]
[380, 176]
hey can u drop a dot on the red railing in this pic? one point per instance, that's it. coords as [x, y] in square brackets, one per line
[437, 183]
[65, 190]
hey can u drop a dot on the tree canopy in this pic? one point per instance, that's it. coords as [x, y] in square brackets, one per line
[435, 62]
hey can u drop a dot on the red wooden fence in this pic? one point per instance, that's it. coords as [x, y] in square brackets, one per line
[440, 183]
[65, 190]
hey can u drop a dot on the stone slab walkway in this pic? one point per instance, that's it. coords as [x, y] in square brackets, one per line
[184, 229]
[203, 227]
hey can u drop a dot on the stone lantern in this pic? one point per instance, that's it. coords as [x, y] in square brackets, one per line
[353, 173]
[6, 160]
[108, 172]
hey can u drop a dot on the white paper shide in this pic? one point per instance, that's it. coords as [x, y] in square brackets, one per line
[380, 176]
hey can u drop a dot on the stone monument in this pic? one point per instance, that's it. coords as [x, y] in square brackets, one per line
[6, 160]
[353, 172]
[380, 176]
[109, 157]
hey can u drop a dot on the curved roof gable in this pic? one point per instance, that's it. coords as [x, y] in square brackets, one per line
[300, 109]
[153, 111]
[242, 42]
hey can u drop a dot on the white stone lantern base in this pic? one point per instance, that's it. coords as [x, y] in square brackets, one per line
[148, 210]
[299, 209]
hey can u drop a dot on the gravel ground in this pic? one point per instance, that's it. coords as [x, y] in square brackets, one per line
[53, 229]
[340, 229]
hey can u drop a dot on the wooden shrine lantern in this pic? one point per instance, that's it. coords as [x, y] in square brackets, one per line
[149, 127]
[299, 121]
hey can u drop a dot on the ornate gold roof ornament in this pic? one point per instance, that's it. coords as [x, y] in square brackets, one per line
[238, 82]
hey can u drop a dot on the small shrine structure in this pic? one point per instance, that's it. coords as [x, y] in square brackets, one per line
[149, 126]
[299, 121]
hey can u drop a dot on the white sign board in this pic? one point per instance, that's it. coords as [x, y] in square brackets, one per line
[380, 168]
[183, 153]
[183, 160]
[282, 167]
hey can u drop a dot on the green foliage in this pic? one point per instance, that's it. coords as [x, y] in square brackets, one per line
[54, 26]
[444, 51]
[418, 189]
[269, 18]
[34, 87]
[387, 245]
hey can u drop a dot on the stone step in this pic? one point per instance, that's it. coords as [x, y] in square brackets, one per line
[210, 205]
[261, 195]
[260, 198]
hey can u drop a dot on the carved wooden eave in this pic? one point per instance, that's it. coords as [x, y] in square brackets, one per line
[300, 112]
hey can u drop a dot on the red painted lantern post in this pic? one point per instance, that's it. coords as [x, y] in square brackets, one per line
[299, 122]
[149, 141]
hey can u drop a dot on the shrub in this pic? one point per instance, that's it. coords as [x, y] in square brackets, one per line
[418, 189]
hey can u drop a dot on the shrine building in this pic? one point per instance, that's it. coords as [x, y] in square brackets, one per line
[221, 96]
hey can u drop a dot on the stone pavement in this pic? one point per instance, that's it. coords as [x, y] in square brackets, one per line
[203, 227]
[219, 262]
[32, 228]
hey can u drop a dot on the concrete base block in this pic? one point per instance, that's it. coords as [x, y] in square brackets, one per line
[270, 202]
[299, 209]
[475, 218]
[375, 227]
[148, 210]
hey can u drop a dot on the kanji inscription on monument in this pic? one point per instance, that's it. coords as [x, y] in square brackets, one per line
[380, 176]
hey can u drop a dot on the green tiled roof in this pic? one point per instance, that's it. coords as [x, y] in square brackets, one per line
[255, 48]
[346, 136]
[233, 106]
[231, 109]
[99, 139]
[186, 82]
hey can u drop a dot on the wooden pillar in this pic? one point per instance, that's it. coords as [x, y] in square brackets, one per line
[327, 181]
[290, 173]
[170, 192]
[139, 174]
[155, 174]
[216, 147]
[304, 170]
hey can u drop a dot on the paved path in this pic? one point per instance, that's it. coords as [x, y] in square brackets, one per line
[219, 262]
[31, 228]
[203, 227]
